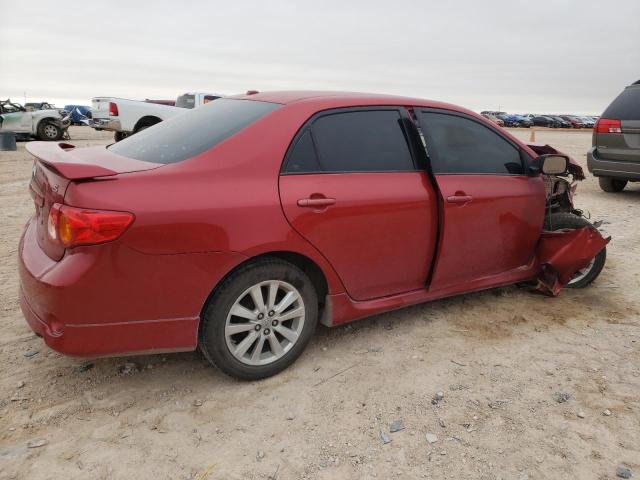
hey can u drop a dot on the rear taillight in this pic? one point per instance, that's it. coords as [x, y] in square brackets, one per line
[71, 226]
[604, 125]
[113, 109]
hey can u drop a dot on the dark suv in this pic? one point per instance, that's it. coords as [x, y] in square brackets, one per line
[615, 155]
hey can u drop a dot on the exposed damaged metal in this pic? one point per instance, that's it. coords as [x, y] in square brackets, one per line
[562, 253]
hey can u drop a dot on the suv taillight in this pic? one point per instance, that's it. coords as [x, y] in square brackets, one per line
[71, 226]
[605, 125]
[113, 109]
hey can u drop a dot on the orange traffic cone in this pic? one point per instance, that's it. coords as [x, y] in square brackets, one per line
[532, 135]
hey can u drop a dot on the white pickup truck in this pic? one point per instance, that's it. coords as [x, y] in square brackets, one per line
[126, 117]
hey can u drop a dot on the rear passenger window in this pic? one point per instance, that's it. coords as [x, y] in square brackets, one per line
[360, 141]
[303, 158]
[461, 145]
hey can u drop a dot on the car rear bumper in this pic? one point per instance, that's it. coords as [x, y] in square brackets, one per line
[612, 168]
[97, 302]
[105, 124]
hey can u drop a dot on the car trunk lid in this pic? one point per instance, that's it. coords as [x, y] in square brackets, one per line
[59, 164]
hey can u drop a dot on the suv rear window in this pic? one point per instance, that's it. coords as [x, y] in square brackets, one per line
[186, 101]
[192, 132]
[626, 106]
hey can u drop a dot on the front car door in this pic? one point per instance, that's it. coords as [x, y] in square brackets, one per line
[14, 119]
[351, 186]
[493, 211]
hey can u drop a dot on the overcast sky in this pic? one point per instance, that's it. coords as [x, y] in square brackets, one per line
[551, 56]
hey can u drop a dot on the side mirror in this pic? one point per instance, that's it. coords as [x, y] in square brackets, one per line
[553, 164]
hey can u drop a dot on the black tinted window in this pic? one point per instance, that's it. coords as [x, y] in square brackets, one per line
[626, 106]
[302, 157]
[193, 131]
[460, 145]
[371, 140]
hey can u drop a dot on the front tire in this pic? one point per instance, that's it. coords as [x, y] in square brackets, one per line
[48, 131]
[259, 320]
[612, 185]
[583, 277]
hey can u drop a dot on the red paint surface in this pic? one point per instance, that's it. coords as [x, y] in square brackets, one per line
[197, 220]
[562, 253]
[380, 237]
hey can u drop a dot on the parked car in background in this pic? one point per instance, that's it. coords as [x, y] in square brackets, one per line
[615, 155]
[41, 124]
[79, 114]
[239, 225]
[494, 119]
[545, 121]
[126, 117]
[562, 123]
[514, 120]
[575, 122]
[31, 106]
[587, 121]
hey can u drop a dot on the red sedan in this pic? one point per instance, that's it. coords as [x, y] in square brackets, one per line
[237, 226]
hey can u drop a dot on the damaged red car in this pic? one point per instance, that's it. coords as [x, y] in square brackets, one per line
[238, 226]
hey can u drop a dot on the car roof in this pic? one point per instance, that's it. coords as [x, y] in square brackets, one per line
[343, 99]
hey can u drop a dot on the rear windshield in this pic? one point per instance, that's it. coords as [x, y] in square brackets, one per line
[192, 132]
[186, 101]
[626, 106]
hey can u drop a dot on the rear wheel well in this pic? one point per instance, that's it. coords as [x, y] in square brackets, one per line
[304, 263]
[145, 122]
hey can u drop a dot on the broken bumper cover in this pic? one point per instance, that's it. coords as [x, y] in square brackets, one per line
[562, 253]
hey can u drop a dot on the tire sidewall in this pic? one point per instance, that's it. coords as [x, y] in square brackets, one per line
[212, 333]
[612, 185]
[44, 137]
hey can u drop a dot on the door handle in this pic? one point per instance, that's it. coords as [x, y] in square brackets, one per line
[316, 202]
[459, 198]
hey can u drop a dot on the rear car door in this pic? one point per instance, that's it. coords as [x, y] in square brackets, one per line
[492, 212]
[350, 185]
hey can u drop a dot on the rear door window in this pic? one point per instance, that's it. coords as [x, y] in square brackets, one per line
[626, 106]
[191, 133]
[457, 145]
[353, 141]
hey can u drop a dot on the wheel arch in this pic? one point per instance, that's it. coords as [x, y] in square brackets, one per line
[307, 265]
[146, 120]
[39, 122]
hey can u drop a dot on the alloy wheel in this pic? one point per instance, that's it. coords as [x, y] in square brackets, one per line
[264, 322]
[583, 272]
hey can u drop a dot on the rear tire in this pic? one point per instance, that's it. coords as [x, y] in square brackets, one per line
[563, 220]
[145, 124]
[264, 335]
[612, 185]
[117, 136]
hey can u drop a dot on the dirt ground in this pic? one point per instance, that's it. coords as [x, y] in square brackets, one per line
[502, 359]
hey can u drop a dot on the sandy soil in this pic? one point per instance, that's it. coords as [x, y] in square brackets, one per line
[499, 357]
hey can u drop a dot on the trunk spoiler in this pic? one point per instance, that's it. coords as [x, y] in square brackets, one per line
[84, 163]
